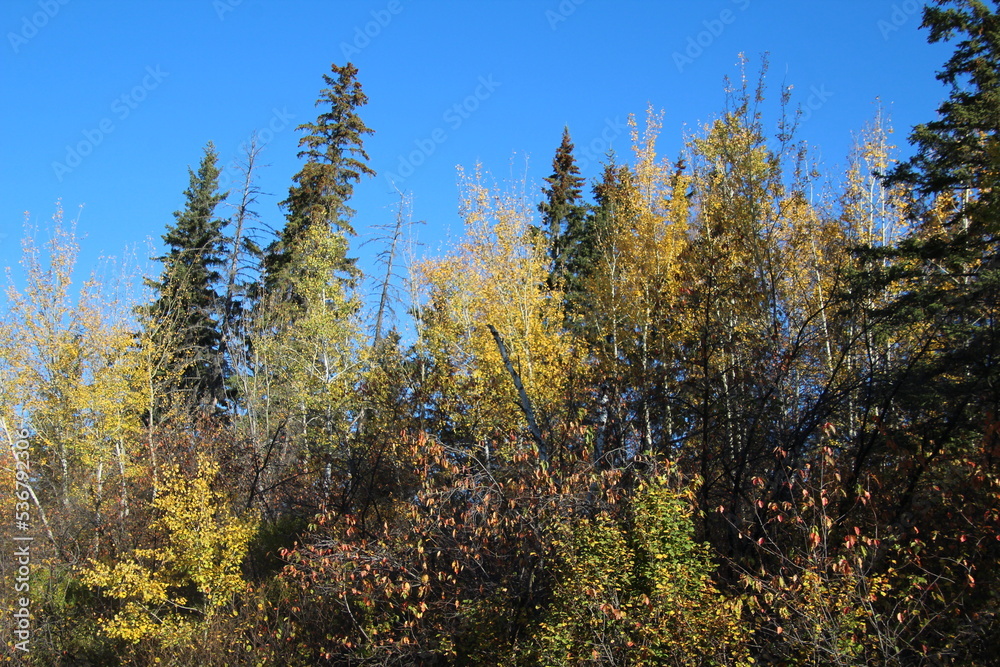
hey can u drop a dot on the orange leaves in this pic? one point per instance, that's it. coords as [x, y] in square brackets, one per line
[452, 555]
[613, 612]
[813, 540]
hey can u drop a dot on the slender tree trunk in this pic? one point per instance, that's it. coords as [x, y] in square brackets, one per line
[525, 402]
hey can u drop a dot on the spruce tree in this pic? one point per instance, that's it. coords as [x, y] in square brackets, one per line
[335, 161]
[942, 399]
[950, 268]
[185, 313]
[587, 246]
[563, 216]
[305, 352]
[958, 151]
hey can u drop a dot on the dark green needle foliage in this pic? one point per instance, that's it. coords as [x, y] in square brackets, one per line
[563, 217]
[185, 313]
[335, 162]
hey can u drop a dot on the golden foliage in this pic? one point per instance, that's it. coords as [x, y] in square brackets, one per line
[496, 277]
[171, 589]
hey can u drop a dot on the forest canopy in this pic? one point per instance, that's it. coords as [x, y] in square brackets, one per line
[724, 407]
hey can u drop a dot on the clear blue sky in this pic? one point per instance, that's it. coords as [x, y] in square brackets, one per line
[142, 86]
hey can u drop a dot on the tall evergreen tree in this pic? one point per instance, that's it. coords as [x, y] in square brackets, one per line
[335, 161]
[593, 234]
[938, 415]
[185, 313]
[951, 267]
[305, 361]
[563, 215]
[957, 150]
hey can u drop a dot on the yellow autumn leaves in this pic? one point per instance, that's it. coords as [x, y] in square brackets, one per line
[170, 589]
[496, 277]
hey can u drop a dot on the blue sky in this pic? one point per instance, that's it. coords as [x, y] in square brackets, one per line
[106, 104]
